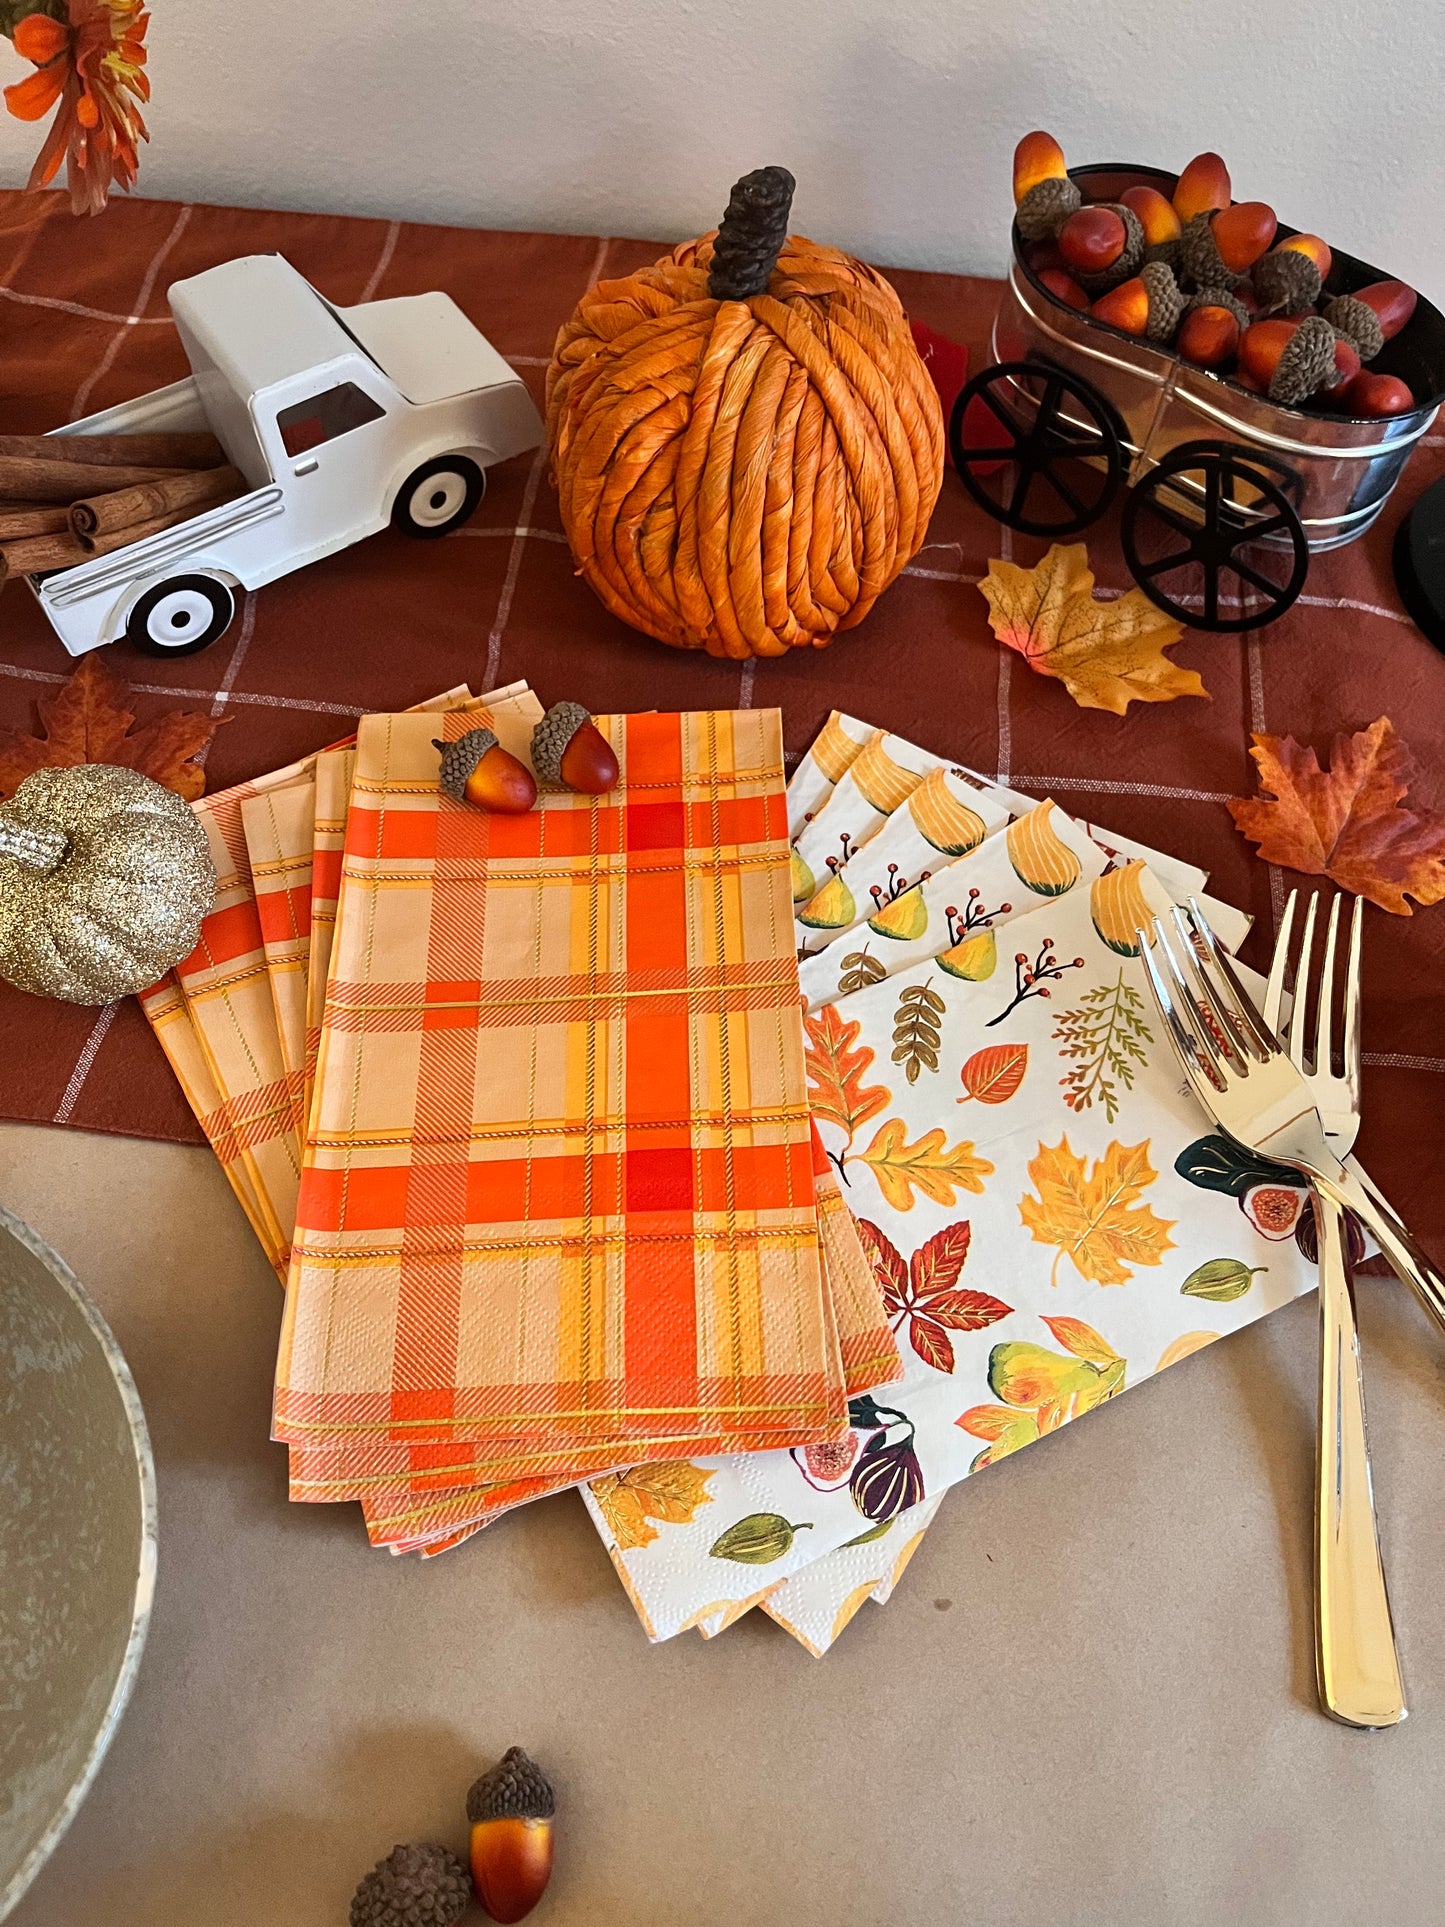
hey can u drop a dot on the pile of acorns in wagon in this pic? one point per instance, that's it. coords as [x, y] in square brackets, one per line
[1203, 274]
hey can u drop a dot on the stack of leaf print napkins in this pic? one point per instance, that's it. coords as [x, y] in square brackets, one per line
[1047, 1216]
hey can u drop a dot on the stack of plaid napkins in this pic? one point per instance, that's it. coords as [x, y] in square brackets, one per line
[593, 1153]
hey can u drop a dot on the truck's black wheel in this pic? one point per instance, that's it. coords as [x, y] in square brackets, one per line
[1037, 448]
[1212, 538]
[181, 616]
[439, 496]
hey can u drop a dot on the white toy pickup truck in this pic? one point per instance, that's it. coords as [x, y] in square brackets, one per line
[340, 419]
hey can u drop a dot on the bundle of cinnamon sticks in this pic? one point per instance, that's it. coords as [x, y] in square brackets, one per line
[67, 498]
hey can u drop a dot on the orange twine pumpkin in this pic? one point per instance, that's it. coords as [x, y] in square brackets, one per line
[745, 475]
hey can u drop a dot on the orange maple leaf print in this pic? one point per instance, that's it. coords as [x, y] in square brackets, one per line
[1350, 822]
[1092, 1216]
[669, 1490]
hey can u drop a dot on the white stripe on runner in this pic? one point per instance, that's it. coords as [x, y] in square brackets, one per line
[1005, 670]
[1109, 786]
[519, 540]
[83, 1063]
[103, 367]
[1402, 1061]
[388, 249]
[745, 683]
[300, 703]
[86, 314]
[532, 534]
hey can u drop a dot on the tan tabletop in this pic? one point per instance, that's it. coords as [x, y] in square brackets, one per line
[1090, 1701]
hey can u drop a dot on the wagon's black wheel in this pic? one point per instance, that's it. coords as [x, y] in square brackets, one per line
[1036, 447]
[1212, 528]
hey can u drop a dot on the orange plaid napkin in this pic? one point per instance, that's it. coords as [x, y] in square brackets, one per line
[570, 1239]
[215, 1020]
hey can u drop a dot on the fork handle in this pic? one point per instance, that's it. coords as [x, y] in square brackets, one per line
[1359, 1672]
[1412, 1265]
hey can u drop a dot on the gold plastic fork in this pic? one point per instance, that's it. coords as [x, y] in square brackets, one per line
[1354, 1638]
[1252, 1090]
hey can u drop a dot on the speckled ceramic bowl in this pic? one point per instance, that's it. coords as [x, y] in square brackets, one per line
[77, 1548]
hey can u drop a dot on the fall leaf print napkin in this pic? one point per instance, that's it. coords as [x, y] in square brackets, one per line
[822, 767]
[880, 777]
[941, 820]
[956, 915]
[1048, 1219]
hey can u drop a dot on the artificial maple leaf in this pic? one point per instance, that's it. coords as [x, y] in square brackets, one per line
[86, 721]
[1093, 1218]
[925, 1290]
[1106, 654]
[836, 1071]
[1347, 822]
[927, 1164]
[669, 1489]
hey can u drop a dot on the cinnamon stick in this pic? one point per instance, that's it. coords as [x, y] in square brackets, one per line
[39, 553]
[118, 451]
[194, 489]
[28, 478]
[17, 519]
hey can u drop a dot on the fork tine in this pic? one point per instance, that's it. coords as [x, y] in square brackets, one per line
[1303, 970]
[1324, 1021]
[1279, 964]
[1262, 1040]
[1186, 1048]
[1352, 999]
[1202, 986]
[1213, 1052]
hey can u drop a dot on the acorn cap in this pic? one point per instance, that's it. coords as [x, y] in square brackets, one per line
[1046, 206]
[551, 737]
[514, 1789]
[1199, 258]
[1221, 298]
[1165, 251]
[1166, 303]
[1286, 281]
[1307, 363]
[460, 758]
[1128, 263]
[1358, 322]
[421, 1886]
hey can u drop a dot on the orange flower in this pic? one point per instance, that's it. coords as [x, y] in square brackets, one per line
[93, 64]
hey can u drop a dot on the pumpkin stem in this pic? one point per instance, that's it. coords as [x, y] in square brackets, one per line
[751, 234]
[35, 847]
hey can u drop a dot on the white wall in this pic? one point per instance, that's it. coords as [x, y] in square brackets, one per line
[634, 116]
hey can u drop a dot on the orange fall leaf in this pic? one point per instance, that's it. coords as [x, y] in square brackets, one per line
[1351, 822]
[87, 721]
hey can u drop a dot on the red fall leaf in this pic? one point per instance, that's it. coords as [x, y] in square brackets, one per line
[1351, 822]
[87, 721]
[925, 1290]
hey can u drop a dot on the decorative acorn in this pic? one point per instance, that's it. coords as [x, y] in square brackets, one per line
[418, 1886]
[1286, 281]
[511, 1810]
[476, 769]
[1307, 363]
[1358, 322]
[1129, 261]
[569, 749]
[1220, 298]
[104, 879]
[1046, 206]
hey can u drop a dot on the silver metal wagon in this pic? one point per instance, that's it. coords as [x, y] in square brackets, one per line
[1228, 493]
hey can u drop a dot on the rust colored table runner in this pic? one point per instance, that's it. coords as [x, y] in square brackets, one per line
[386, 624]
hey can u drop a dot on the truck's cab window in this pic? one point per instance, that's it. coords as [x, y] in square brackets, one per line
[307, 424]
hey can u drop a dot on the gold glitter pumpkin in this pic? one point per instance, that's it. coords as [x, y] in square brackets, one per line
[104, 879]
